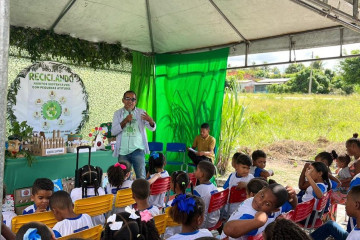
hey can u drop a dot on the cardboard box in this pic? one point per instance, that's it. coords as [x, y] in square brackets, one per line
[22, 199]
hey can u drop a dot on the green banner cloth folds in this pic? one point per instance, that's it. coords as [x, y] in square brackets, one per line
[189, 92]
[143, 84]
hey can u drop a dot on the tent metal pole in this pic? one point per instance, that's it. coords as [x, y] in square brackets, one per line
[290, 47]
[356, 9]
[246, 53]
[4, 52]
[328, 15]
[341, 40]
[228, 21]
[297, 61]
[328, 8]
[62, 14]
[149, 24]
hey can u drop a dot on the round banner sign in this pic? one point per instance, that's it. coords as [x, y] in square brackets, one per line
[49, 96]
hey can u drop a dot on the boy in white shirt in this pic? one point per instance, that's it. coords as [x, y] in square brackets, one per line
[69, 222]
[240, 177]
[41, 192]
[141, 192]
[204, 172]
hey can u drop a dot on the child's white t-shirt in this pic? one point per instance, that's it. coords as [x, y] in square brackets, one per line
[32, 209]
[344, 173]
[354, 234]
[158, 200]
[256, 171]
[72, 225]
[355, 181]
[76, 194]
[310, 194]
[113, 190]
[246, 211]
[205, 191]
[192, 235]
[7, 217]
[232, 181]
[154, 210]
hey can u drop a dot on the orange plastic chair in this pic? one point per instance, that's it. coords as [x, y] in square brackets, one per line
[93, 233]
[47, 218]
[217, 201]
[170, 222]
[124, 198]
[256, 237]
[160, 223]
[161, 185]
[301, 212]
[192, 179]
[320, 208]
[94, 206]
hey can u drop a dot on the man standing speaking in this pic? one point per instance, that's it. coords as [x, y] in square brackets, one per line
[128, 126]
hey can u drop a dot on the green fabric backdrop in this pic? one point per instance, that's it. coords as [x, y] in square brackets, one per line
[143, 84]
[189, 92]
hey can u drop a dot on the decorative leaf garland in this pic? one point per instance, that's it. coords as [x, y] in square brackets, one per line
[38, 42]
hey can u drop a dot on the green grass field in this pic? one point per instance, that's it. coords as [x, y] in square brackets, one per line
[274, 117]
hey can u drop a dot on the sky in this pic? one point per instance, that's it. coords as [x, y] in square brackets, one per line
[300, 54]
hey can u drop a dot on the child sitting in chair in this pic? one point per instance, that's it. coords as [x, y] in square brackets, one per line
[141, 192]
[204, 172]
[156, 171]
[69, 222]
[42, 190]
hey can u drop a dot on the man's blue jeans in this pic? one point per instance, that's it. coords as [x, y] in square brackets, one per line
[330, 228]
[137, 160]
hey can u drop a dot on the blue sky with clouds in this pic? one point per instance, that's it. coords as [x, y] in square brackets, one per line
[300, 54]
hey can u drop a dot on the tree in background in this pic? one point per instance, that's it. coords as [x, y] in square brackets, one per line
[300, 83]
[350, 69]
[294, 68]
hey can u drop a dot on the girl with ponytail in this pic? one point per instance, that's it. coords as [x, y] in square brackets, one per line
[157, 170]
[179, 182]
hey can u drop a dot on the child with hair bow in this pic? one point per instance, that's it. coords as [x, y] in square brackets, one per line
[35, 231]
[118, 179]
[188, 210]
[156, 170]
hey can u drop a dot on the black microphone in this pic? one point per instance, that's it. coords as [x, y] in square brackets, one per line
[130, 120]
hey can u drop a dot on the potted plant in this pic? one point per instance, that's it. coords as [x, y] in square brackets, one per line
[20, 133]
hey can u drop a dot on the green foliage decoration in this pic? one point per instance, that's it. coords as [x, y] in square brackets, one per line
[22, 130]
[232, 123]
[38, 42]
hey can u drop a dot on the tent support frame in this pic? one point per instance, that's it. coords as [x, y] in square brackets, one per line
[297, 61]
[228, 21]
[4, 54]
[148, 14]
[62, 14]
[327, 13]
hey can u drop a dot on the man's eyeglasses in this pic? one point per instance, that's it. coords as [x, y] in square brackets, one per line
[130, 99]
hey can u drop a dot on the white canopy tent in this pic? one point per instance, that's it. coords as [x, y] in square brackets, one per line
[163, 26]
[170, 26]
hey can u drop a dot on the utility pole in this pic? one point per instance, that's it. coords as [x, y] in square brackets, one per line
[311, 70]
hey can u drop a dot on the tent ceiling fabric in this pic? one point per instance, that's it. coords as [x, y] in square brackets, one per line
[183, 25]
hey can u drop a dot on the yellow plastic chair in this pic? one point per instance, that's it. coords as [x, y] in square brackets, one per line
[124, 198]
[169, 221]
[160, 223]
[93, 233]
[94, 206]
[47, 218]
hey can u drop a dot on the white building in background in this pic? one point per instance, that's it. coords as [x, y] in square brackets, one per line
[259, 86]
